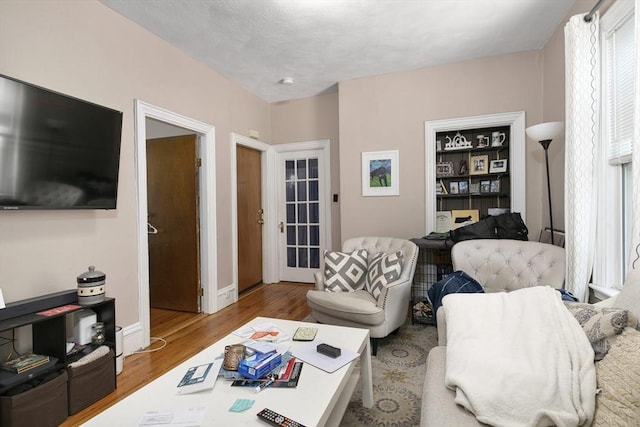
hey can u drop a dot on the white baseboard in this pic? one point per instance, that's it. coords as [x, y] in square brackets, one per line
[131, 339]
[227, 296]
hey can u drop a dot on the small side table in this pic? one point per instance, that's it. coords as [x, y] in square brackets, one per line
[434, 263]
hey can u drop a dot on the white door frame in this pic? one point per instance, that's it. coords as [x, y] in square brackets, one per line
[207, 191]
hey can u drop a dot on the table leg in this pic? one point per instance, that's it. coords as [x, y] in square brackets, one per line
[366, 375]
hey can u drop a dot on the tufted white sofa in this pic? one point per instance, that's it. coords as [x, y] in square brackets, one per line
[503, 265]
[498, 265]
[506, 265]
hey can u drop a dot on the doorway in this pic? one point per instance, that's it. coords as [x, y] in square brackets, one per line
[250, 217]
[302, 207]
[275, 209]
[138, 335]
[173, 221]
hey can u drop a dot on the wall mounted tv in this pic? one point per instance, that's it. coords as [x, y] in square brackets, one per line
[56, 151]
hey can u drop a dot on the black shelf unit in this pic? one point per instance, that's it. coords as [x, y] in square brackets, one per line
[49, 335]
[49, 332]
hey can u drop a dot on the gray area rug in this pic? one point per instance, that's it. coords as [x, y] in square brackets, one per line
[398, 377]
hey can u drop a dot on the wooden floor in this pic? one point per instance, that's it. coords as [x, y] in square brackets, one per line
[186, 334]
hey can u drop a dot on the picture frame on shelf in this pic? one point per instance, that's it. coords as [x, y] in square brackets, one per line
[443, 221]
[485, 187]
[495, 186]
[453, 187]
[380, 173]
[463, 187]
[444, 169]
[479, 165]
[474, 188]
[498, 166]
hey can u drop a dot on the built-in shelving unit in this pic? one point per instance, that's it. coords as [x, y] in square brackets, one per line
[475, 164]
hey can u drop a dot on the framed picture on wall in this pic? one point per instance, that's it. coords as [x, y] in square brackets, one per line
[380, 173]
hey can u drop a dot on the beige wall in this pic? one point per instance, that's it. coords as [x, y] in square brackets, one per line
[86, 50]
[311, 119]
[388, 112]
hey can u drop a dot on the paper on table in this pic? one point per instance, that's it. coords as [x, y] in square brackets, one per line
[308, 353]
[262, 332]
[191, 417]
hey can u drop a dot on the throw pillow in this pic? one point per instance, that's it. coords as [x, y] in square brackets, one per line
[629, 296]
[344, 272]
[601, 324]
[383, 269]
[618, 398]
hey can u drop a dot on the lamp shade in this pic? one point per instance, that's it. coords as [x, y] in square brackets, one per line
[545, 131]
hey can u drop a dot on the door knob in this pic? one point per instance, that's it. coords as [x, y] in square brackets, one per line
[281, 225]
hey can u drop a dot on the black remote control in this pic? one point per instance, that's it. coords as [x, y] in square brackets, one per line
[328, 350]
[275, 419]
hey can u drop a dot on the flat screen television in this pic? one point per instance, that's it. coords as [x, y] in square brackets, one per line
[56, 151]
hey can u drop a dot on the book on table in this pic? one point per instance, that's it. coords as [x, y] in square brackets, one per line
[286, 377]
[24, 362]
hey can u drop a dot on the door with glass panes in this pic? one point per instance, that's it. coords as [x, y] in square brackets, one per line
[301, 214]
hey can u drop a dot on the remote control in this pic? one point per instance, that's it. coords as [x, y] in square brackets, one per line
[328, 350]
[275, 419]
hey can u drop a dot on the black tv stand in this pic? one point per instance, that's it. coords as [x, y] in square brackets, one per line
[49, 337]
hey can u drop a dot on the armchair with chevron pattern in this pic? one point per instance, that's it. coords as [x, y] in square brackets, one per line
[366, 285]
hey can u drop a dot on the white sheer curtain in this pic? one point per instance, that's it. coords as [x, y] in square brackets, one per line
[582, 62]
[634, 259]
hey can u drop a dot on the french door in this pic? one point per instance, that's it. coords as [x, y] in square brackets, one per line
[302, 214]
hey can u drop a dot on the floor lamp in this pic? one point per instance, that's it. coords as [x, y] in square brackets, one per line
[544, 133]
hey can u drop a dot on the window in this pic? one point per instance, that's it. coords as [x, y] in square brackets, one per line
[615, 220]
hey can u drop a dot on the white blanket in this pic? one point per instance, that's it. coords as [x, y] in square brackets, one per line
[519, 359]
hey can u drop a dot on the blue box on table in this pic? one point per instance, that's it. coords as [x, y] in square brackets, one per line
[259, 365]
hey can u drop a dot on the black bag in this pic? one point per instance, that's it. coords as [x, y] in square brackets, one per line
[505, 226]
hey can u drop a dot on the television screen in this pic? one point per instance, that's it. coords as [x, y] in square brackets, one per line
[56, 151]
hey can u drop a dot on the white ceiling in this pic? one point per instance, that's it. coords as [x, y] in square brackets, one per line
[317, 43]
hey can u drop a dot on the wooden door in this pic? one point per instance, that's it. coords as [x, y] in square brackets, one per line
[249, 173]
[174, 244]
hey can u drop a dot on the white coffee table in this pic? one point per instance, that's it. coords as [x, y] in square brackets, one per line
[320, 399]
